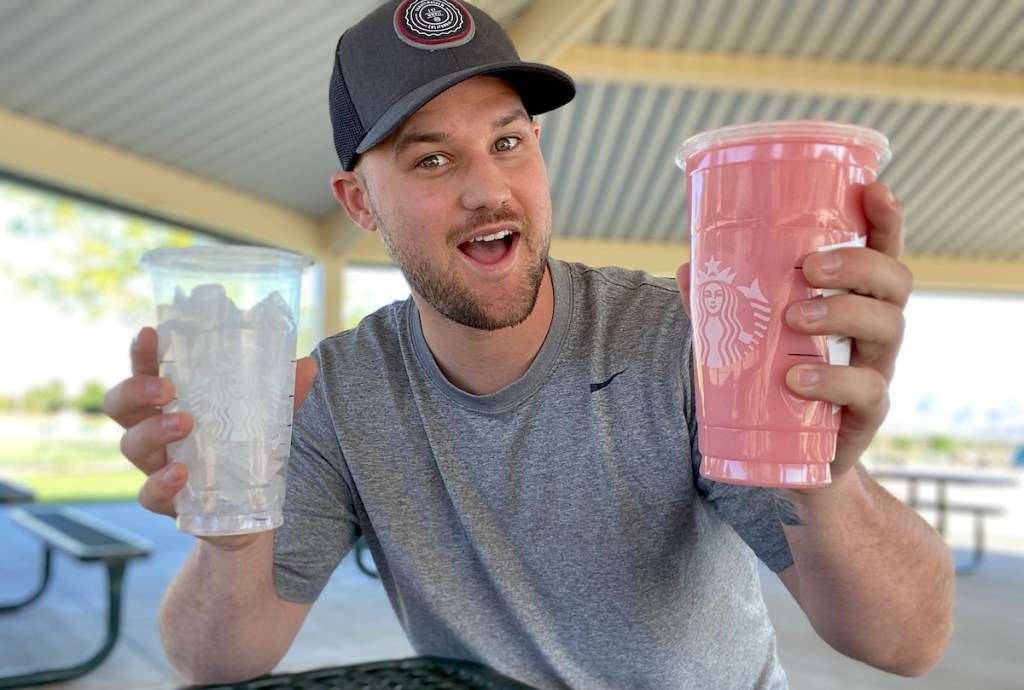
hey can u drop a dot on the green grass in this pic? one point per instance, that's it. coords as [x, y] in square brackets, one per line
[73, 488]
[70, 470]
[71, 454]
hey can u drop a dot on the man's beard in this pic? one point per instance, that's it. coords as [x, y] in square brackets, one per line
[438, 287]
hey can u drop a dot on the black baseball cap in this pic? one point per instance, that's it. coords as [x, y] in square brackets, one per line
[406, 52]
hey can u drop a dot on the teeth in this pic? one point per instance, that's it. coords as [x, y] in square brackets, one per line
[496, 236]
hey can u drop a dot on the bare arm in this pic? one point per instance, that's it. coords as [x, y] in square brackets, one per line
[875, 580]
[221, 619]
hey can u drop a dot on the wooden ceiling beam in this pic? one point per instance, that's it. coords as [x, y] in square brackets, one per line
[550, 27]
[788, 75]
[57, 158]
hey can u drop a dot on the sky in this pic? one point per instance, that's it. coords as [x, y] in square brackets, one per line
[39, 343]
[959, 369]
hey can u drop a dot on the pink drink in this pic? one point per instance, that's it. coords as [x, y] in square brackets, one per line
[762, 197]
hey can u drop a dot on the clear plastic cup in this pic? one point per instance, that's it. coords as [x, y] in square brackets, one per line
[762, 197]
[227, 320]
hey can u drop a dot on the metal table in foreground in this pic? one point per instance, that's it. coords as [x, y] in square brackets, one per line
[416, 673]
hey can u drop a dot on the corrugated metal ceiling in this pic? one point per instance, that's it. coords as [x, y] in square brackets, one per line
[967, 34]
[234, 91]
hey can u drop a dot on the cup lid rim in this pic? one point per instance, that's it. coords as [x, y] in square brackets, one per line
[840, 132]
[230, 258]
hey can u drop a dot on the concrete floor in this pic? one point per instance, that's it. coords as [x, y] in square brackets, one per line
[353, 621]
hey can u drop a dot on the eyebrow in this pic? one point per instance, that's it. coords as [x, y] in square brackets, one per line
[407, 139]
[506, 120]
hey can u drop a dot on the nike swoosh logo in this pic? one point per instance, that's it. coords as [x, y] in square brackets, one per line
[595, 387]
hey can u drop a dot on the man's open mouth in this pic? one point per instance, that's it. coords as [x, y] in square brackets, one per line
[489, 249]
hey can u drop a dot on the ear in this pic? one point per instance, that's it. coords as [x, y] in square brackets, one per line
[350, 191]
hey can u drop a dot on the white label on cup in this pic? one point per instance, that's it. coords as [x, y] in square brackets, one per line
[839, 345]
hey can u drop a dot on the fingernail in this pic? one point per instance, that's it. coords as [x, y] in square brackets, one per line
[170, 423]
[154, 389]
[170, 475]
[808, 377]
[829, 262]
[813, 310]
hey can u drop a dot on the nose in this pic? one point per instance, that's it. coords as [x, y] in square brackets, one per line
[484, 185]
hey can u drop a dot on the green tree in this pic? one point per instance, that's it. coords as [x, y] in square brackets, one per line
[90, 399]
[95, 266]
[47, 398]
[942, 444]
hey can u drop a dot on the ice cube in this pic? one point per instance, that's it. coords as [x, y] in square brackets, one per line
[209, 307]
[271, 313]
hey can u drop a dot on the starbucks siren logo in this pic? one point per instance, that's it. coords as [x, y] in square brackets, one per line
[732, 319]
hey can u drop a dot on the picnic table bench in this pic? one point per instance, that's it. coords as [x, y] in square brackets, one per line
[87, 539]
[12, 493]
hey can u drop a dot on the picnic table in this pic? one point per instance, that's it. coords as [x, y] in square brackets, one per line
[12, 493]
[77, 535]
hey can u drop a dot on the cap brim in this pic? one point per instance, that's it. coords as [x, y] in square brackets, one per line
[541, 88]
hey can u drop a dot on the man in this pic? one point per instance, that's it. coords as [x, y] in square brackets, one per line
[519, 515]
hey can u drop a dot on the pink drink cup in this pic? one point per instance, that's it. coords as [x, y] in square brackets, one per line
[762, 197]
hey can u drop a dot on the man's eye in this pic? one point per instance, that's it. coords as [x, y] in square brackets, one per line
[434, 160]
[506, 143]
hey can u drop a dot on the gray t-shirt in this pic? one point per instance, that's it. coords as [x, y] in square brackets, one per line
[557, 530]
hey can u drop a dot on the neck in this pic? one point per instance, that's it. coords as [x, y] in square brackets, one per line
[483, 362]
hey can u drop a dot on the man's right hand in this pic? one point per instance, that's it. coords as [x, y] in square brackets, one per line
[136, 404]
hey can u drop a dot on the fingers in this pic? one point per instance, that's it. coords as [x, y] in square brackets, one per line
[145, 444]
[306, 371]
[157, 493]
[863, 393]
[137, 398]
[135, 404]
[876, 327]
[871, 313]
[863, 271]
[144, 353]
[885, 217]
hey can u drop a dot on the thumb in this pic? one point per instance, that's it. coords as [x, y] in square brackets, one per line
[683, 281]
[305, 373]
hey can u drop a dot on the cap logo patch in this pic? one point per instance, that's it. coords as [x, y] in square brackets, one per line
[434, 24]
